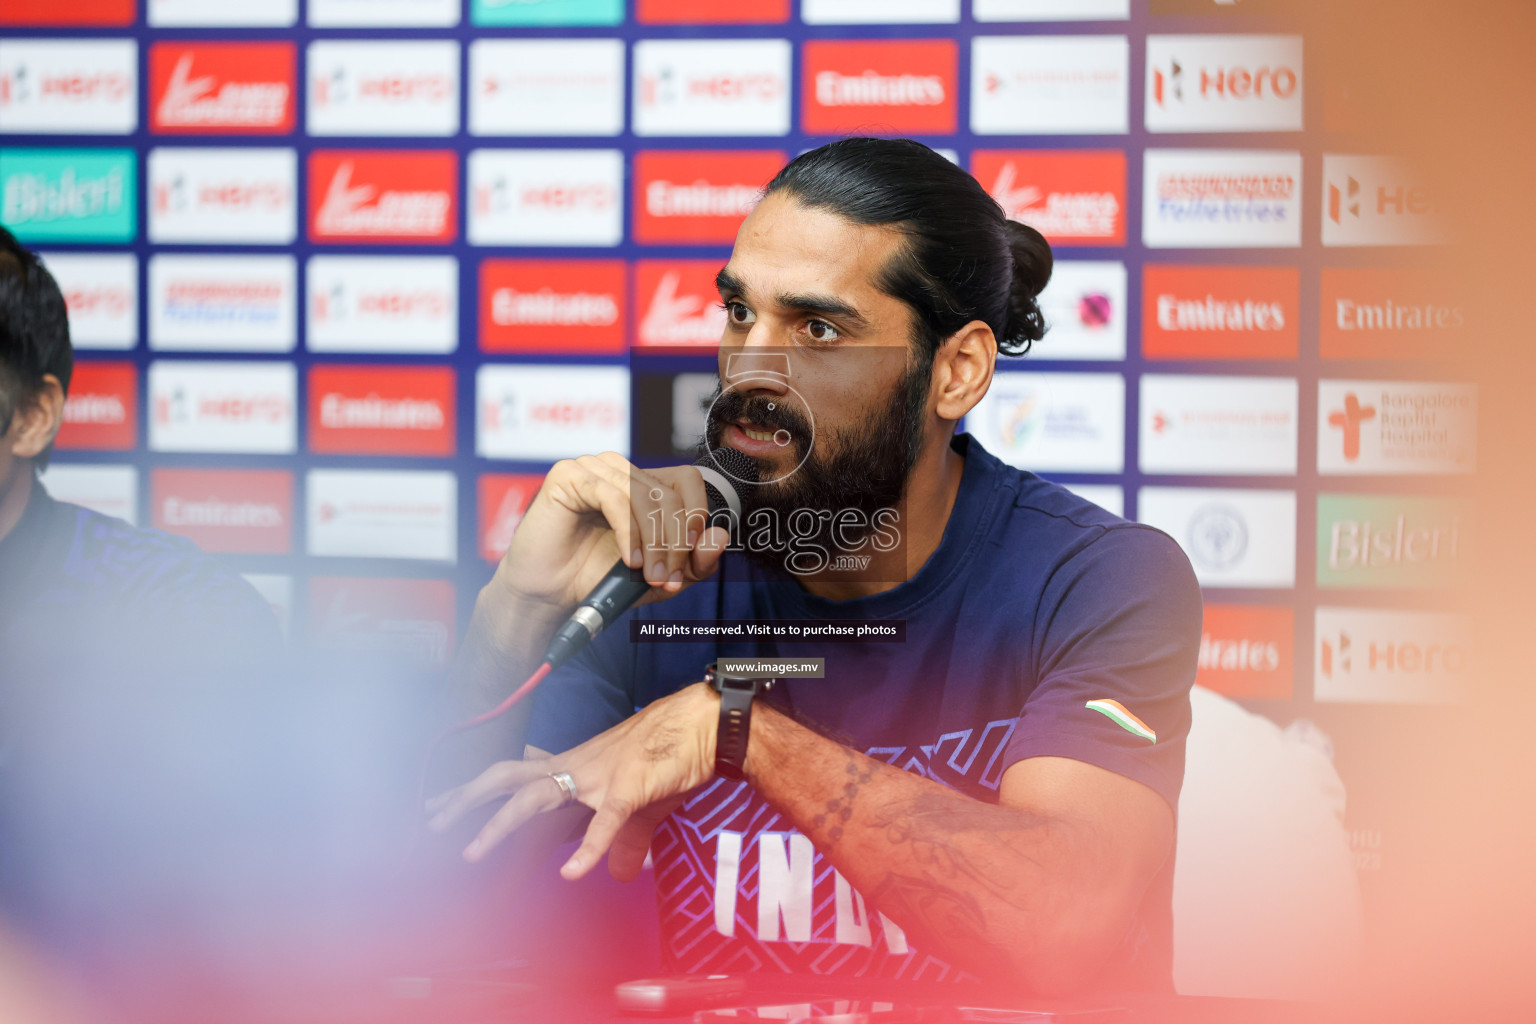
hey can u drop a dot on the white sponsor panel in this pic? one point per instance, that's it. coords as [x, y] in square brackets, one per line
[879, 12]
[1223, 83]
[384, 13]
[1376, 200]
[1221, 198]
[564, 197]
[1109, 497]
[546, 87]
[1084, 308]
[545, 413]
[269, 13]
[102, 293]
[1371, 655]
[223, 407]
[1051, 10]
[69, 87]
[277, 590]
[373, 88]
[711, 87]
[1393, 426]
[382, 304]
[364, 513]
[1240, 426]
[1234, 538]
[110, 490]
[219, 194]
[212, 303]
[1050, 85]
[1073, 422]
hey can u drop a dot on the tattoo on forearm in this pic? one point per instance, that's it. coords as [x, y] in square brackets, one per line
[858, 772]
[940, 918]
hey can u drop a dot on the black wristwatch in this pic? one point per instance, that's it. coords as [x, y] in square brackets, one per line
[737, 691]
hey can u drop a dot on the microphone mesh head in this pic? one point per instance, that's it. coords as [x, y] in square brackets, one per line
[740, 470]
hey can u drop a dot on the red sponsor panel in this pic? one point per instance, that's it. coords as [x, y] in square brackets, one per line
[711, 12]
[68, 12]
[552, 306]
[699, 196]
[504, 497]
[101, 412]
[1220, 312]
[879, 86]
[205, 88]
[413, 620]
[1387, 313]
[1248, 651]
[381, 410]
[677, 304]
[245, 511]
[1072, 197]
[384, 196]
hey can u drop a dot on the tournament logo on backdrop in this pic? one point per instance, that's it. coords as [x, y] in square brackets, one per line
[223, 303]
[1392, 541]
[562, 197]
[242, 511]
[1247, 651]
[231, 13]
[101, 412]
[1374, 200]
[110, 490]
[1222, 83]
[555, 306]
[223, 407]
[677, 304]
[69, 195]
[711, 87]
[1050, 85]
[380, 513]
[383, 13]
[389, 88]
[1084, 306]
[221, 88]
[504, 497]
[69, 87]
[886, 87]
[226, 195]
[383, 196]
[546, 413]
[101, 293]
[699, 196]
[410, 620]
[1221, 198]
[546, 87]
[1389, 426]
[383, 304]
[382, 410]
[1220, 312]
[105, 13]
[1073, 422]
[1379, 656]
[1381, 313]
[1233, 537]
[1072, 197]
[1200, 423]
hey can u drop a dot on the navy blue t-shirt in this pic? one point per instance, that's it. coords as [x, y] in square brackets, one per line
[1041, 626]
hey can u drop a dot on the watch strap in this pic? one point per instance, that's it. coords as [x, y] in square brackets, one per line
[734, 730]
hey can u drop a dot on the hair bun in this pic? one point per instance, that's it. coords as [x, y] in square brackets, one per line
[1032, 262]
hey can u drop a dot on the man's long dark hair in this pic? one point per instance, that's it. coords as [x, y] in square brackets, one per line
[34, 330]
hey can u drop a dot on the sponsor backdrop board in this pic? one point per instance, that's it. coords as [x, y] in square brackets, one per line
[346, 277]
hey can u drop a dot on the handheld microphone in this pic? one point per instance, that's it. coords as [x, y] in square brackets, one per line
[726, 472]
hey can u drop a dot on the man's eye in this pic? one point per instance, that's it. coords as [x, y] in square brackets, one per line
[738, 313]
[820, 330]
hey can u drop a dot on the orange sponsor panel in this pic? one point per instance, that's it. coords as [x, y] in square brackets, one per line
[1389, 313]
[1248, 651]
[1220, 312]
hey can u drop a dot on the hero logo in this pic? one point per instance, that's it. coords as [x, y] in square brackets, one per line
[1371, 201]
[905, 85]
[543, 413]
[546, 197]
[79, 86]
[222, 407]
[1224, 83]
[227, 87]
[698, 197]
[712, 87]
[383, 303]
[681, 305]
[101, 412]
[383, 88]
[1070, 197]
[222, 195]
[101, 294]
[381, 410]
[382, 196]
[1376, 655]
[1221, 198]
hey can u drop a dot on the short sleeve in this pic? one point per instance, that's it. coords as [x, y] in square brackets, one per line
[587, 695]
[1116, 640]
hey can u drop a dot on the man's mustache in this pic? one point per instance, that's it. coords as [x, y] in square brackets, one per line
[767, 413]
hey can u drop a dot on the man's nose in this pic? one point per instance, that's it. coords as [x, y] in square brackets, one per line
[758, 368]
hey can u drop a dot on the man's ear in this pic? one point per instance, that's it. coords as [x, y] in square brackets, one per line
[962, 369]
[37, 420]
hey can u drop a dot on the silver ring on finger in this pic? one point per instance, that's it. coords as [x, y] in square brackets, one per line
[567, 787]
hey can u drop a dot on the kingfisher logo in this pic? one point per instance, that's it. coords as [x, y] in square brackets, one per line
[552, 306]
[1200, 198]
[223, 195]
[887, 86]
[712, 87]
[545, 413]
[102, 410]
[700, 196]
[222, 407]
[1247, 652]
[105, 13]
[221, 88]
[1376, 201]
[677, 305]
[383, 304]
[563, 197]
[372, 88]
[381, 196]
[223, 303]
[381, 410]
[1070, 197]
[1220, 312]
[1214, 83]
[101, 293]
[504, 497]
[1372, 427]
[1379, 656]
[1380, 313]
[238, 511]
[83, 86]
[69, 195]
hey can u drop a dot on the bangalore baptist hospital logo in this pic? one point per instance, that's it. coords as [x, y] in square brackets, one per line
[1349, 419]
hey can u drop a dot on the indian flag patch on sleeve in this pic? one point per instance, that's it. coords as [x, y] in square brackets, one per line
[1115, 712]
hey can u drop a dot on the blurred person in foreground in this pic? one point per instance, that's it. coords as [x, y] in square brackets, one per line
[996, 794]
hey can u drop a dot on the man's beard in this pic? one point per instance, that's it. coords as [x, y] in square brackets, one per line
[863, 468]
